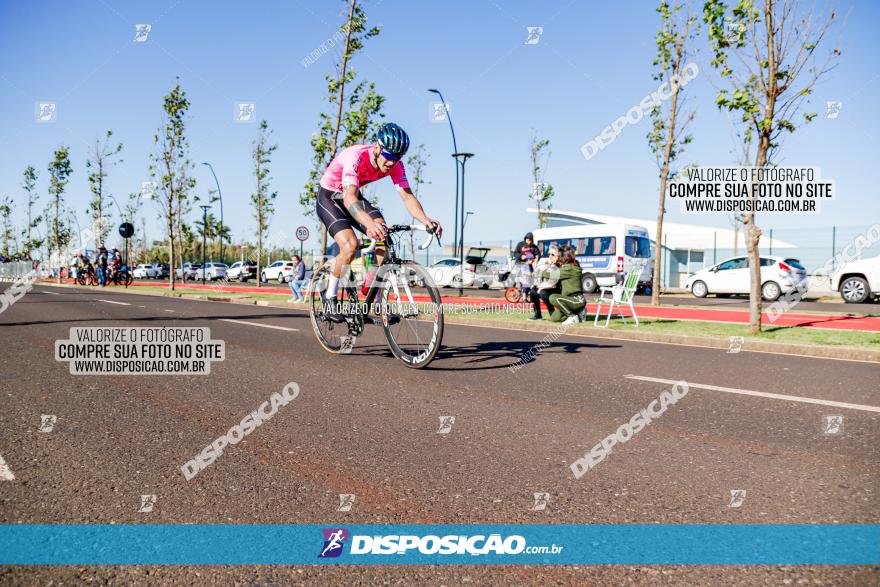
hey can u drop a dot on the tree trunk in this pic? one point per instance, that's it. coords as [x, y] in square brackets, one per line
[171, 275]
[56, 235]
[751, 230]
[664, 175]
[335, 142]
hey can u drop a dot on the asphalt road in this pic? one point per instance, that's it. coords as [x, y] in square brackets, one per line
[365, 425]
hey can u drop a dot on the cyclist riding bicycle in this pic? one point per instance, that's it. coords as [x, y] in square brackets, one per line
[341, 205]
[84, 265]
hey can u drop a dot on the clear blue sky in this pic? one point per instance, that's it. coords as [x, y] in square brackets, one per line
[592, 63]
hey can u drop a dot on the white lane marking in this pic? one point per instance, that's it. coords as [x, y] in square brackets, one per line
[5, 471]
[117, 303]
[51, 293]
[791, 398]
[169, 310]
[260, 325]
[141, 306]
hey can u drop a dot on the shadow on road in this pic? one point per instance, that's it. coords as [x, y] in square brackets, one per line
[475, 356]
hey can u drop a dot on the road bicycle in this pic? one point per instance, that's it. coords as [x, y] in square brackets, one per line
[84, 278]
[413, 332]
[121, 276]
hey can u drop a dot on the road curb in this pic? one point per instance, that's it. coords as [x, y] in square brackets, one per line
[760, 346]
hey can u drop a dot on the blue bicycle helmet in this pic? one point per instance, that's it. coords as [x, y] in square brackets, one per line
[393, 139]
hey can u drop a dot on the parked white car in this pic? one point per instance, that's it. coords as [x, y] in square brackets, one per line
[449, 273]
[279, 270]
[212, 271]
[779, 275]
[242, 271]
[144, 271]
[858, 281]
[492, 275]
[188, 271]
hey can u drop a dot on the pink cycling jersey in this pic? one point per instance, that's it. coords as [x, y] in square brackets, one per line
[353, 167]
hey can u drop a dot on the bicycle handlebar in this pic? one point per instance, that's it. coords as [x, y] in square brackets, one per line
[405, 228]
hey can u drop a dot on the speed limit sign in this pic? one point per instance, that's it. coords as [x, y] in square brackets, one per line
[302, 233]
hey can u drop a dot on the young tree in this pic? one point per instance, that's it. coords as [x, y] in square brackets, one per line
[667, 137]
[59, 175]
[263, 199]
[415, 165]
[7, 234]
[171, 166]
[31, 242]
[775, 70]
[207, 227]
[101, 160]
[542, 192]
[224, 235]
[131, 209]
[355, 114]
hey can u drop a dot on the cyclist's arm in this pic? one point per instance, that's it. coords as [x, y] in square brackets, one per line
[413, 206]
[352, 203]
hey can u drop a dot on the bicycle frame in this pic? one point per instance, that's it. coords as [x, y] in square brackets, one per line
[390, 258]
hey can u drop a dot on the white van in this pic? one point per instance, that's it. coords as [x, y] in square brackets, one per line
[605, 251]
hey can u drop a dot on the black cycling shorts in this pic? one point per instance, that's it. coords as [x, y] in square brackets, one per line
[335, 217]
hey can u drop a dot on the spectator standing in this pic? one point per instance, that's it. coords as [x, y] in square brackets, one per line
[101, 264]
[525, 255]
[297, 279]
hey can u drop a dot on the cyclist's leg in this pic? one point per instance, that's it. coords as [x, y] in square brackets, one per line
[375, 214]
[339, 224]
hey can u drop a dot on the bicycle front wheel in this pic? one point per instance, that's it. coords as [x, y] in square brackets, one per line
[412, 317]
[333, 338]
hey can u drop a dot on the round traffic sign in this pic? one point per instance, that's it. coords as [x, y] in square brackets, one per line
[126, 229]
[302, 233]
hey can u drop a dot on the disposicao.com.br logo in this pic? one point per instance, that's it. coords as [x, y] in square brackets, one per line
[431, 544]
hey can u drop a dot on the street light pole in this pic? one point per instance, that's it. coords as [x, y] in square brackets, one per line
[204, 232]
[222, 226]
[461, 158]
[124, 240]
[455, 149]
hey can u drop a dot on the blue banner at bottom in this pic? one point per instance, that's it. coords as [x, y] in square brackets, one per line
[636, 544]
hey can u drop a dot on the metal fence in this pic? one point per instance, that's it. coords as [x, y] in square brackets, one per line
[812, 246]
[16, 270]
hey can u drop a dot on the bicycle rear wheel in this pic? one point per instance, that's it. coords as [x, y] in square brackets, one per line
[333, 338]
[413, 329]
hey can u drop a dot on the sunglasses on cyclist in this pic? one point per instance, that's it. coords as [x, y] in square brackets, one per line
[389, 156]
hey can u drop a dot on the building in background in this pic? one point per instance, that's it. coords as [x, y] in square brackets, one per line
[687, 247]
